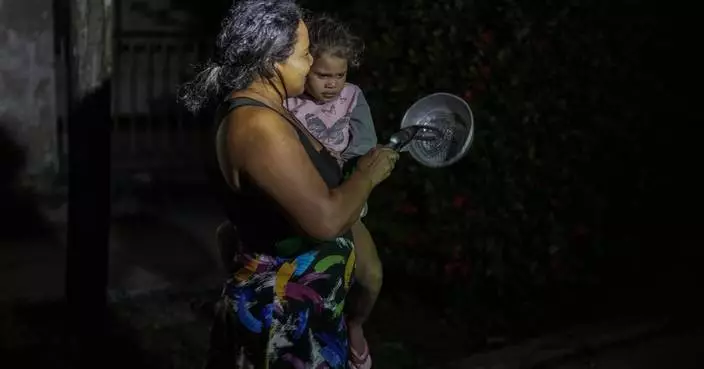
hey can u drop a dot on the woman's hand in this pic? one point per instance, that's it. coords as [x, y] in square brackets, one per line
[377, 164]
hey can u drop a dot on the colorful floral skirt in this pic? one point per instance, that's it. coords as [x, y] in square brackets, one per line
[278, 312]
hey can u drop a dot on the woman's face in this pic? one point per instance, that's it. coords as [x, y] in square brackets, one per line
[294, 69]
[327, 77]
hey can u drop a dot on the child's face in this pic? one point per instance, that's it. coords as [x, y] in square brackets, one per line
[327, 77]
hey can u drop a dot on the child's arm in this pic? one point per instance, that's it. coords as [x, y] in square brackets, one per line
[362, 136]
[362, 132]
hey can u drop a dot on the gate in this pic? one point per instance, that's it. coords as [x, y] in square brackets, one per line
[151, 133]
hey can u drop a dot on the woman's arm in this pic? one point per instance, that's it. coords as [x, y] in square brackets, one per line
[268, 149]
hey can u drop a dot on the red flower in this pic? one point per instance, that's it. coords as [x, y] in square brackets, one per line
[541, 45]
[451, 268]
[485, 71]
[412, 240]
[487, 37]
[556, 264]
[464, 270]
[581, 230]
[459, 201]
[479, 87]
[456, 252]
[456, 268]
[468, 95]
[408, 209]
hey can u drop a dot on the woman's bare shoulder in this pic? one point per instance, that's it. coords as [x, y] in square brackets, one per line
[255, 123]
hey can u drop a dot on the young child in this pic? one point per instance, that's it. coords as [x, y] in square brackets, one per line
[337, 114]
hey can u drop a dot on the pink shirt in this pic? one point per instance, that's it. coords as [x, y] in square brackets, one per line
[329, 122]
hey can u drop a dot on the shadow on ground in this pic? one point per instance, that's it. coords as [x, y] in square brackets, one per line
[151, 251]
[31, 254]
[21, 217]
[35, 336]
[169, 330]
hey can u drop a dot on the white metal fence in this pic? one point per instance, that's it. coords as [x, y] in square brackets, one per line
[151, 133]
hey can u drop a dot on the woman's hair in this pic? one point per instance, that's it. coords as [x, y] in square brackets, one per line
[254, 36]
[329, 36]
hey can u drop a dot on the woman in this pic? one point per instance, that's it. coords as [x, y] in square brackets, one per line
[287, 198]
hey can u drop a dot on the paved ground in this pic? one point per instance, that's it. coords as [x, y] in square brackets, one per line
[657, 344]
[176, 250]
[680, 351]
[169, 331]
[150, 249]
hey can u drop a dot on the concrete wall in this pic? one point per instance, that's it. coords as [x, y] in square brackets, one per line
[92, 35]
[28, 82]
[32, 78]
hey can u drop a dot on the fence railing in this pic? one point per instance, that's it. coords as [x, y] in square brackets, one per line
[151, 133]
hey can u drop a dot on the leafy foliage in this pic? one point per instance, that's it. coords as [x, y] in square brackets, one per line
[556, 89]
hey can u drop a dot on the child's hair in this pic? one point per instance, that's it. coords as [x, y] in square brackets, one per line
[329, 36]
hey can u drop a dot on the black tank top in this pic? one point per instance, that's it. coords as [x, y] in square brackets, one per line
[261, 221]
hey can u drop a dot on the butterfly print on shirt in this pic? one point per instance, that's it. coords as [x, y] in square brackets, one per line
[329, 110]
[333, 135]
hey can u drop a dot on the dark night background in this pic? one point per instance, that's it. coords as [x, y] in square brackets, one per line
[577, 205]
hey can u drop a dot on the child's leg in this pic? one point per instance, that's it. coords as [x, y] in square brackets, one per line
[369, 276]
